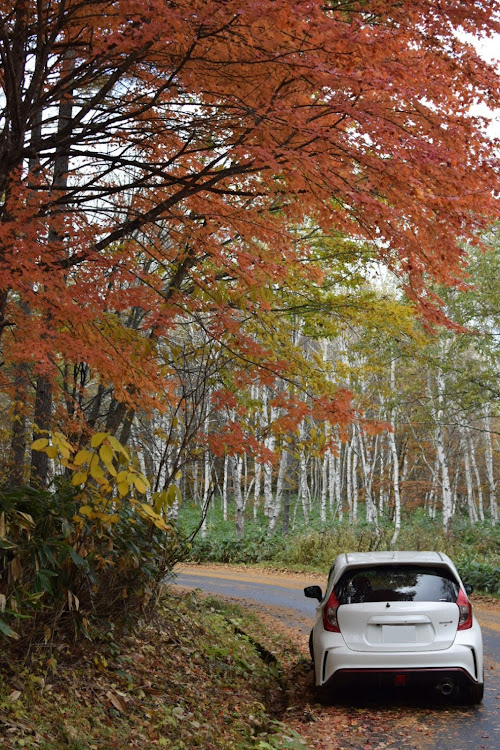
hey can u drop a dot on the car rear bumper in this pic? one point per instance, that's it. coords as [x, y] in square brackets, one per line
[341, 663]
[444, 681]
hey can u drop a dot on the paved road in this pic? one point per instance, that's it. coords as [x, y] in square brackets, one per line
[454, 728]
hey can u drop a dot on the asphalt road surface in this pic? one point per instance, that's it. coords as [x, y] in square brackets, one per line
[453, 727]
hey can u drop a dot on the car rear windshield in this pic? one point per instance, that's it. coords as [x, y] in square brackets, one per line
[406, 583]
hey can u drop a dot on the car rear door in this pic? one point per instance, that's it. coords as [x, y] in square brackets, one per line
[398, 608]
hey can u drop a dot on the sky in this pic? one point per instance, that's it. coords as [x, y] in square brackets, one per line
[489, 49]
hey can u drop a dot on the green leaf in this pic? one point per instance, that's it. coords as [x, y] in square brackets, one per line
[77, 559]
[6, 630]
[5, 544]
[41, 582]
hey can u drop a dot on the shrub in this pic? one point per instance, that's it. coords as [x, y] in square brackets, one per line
[255, 547]
[483, 575]
[87, 550]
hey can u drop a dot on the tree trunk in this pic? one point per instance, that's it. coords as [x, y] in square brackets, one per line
[256, 488]
[286, 513]
[43, 398]
[273, 520]
[236, 465]
[471, 505]
[224, 488]
[324, 487]
[446, 493]
[395, 461]
[472, 453]
[489, 465]
[304, 489]
[42, 422]
[354, 467]
[18, 442]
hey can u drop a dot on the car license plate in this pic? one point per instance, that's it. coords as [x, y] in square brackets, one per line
[399, 633]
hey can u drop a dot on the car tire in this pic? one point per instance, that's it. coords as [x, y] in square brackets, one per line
[311, 649]
[474, 694]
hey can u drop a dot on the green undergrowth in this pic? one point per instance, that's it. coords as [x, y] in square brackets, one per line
[475, 550]
[200, 675]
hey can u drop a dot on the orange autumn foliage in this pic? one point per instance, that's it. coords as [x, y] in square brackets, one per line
[156, 158]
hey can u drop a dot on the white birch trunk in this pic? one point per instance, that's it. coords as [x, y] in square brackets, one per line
[348, 475]
[324, 488]
[432, 509]
[446, 491]
[273, 520]
[337, 464]
[367, 467]
[489, 465]
[471, 504]
[236, 466]
[270, 443]
[304, 489]
[354, 517]
[331, 482]
[196, 493]
[206, 479]
[224, 488]
[479, 486]
[395, 461]
[256, 488]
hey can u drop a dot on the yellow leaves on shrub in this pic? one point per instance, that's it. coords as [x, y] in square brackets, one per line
[96, 472]
[166, 498]
[123, 488]
[79, 477]
[82, 457]
[97, 439]
[94, 469]
[93, 513]
[118, 447]
[149, 513]
[140, 484]
[62, 445]
[106, 453]
[86, 510]
[40, 444]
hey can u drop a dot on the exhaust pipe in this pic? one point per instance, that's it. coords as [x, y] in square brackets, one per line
[446, 687]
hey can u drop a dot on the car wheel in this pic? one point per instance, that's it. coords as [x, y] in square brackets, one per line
[474, 694]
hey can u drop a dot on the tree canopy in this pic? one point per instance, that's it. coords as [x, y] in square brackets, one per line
[158, 160]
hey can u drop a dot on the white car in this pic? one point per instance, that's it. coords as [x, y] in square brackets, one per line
[399, 619]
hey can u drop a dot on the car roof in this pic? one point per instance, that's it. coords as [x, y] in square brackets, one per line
[391, 556]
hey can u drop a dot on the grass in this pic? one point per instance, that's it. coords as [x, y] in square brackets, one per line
[475, 550]
[201, 675]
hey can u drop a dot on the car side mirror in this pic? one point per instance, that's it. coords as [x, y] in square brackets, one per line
[313, 592]
[469, 588]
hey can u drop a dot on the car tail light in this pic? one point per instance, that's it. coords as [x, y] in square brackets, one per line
[330, 621]
[465, 611]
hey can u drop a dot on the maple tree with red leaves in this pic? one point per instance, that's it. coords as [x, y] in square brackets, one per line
[157, 158]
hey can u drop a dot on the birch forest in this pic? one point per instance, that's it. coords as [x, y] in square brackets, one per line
[422, 435]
